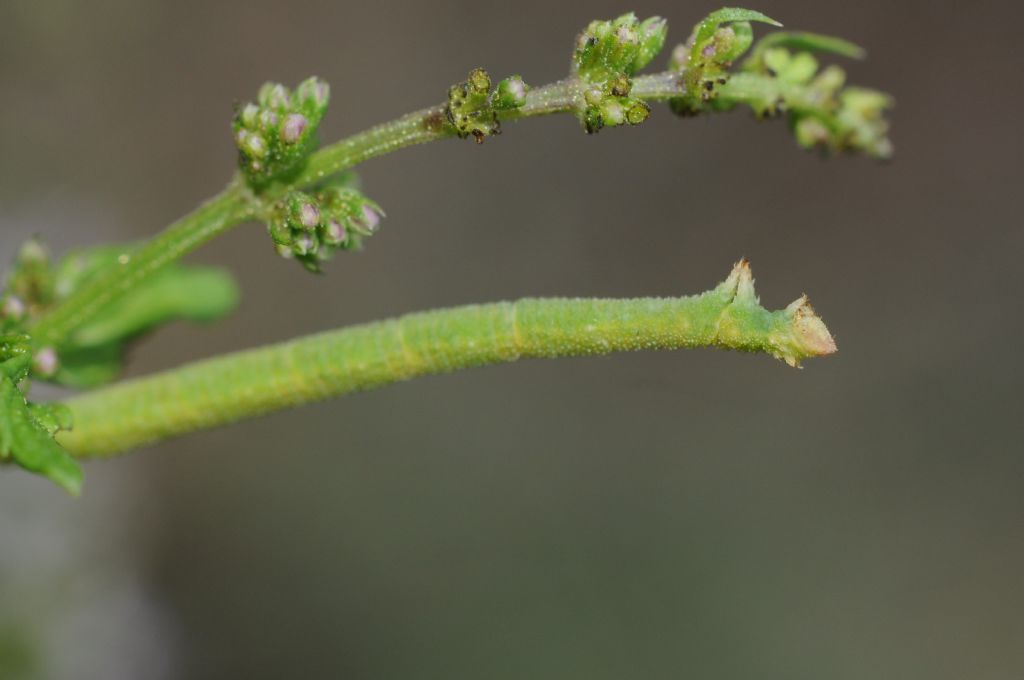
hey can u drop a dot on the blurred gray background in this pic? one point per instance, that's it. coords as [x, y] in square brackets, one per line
[693, 514]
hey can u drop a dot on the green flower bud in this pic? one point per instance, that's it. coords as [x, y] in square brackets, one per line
[861, 116]
[273, 96]
[607, 48]
[830, 80]
[294, 126]
[249, 115]
[33, 253]
[796, 68]
[335, 233]
[511, 93]
[280, 233]
[638, 112]
[653, 32]
[254, 146]
[12, 309]
[45, 362]
[304, 244]
[31, 283]
[612, 112]
[811, 133]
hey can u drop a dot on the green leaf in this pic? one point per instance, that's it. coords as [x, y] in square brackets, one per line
[87, 367]
[706, 28]
[811, 42]
[198, 294]
[26, 431]
[92, 356]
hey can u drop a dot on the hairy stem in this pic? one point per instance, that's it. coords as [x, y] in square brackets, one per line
[236, 204]
[238, 386]
[215, 216]
[427, 125]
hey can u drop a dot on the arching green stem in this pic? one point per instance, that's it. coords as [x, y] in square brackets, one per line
[430, 124]
[225, 210]
[237, 204]
[238, 386]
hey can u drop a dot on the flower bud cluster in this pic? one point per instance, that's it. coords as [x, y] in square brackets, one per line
[841, 118]
[706, 57]
[310, 227]
[608, 54]
[29, 288]
[473, 108]
[780, 76]
[277, 133]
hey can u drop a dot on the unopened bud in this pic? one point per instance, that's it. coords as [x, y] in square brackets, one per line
[638, 113]
[371, 217]
[280, 234]
[811, 132]
[13, 308]
[612, 112]
[313, 92]
[33, 252]
[294, 125]
[268, 119]
[335, 233]
[652, 40]
[273, 96]
[304, 244]
[511, 93]
[45, 362]
[255, 145]
[309, 215]
[249, 115]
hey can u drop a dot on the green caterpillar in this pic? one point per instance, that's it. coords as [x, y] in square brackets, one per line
[228, 389]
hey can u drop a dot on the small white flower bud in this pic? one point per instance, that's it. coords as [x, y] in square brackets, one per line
[294, 125]
[309, 215]
[371, 217]
[255, 146]
[304, 245]
[274, 95]
[249, 115]
[268, 119]
[335, 233]
[45, 362]
[13, 308]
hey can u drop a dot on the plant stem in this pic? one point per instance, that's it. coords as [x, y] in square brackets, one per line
[236, 204]
[427, 125]
[246, 384]
[213, 217]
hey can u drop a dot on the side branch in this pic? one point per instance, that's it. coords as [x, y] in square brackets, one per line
[237, 204]
[225, 210]
[243, 385]
[430, 124]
